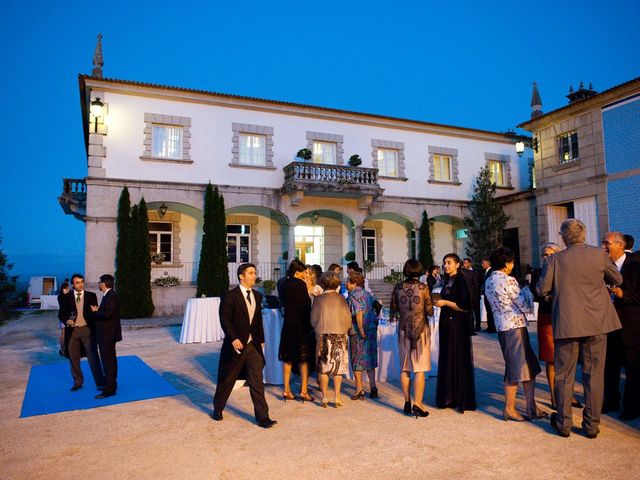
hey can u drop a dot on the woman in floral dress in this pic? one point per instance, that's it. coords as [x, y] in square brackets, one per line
[363, 338]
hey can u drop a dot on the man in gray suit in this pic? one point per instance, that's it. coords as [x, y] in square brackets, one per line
[582, 315]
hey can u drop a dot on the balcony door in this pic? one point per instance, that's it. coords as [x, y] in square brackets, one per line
[310, 244]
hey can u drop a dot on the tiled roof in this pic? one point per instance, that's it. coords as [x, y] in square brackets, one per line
[84, 78]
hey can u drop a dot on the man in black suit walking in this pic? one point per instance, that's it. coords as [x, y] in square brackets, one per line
[80, 332]
[241, 320]
[108, 332]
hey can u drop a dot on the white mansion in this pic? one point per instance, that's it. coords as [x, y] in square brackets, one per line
[165, 143]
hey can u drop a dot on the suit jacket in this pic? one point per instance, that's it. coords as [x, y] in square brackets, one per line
[577, 277]
[107, 319]
[474, 284]
[628, 307]
[68, 305]
[234, 319]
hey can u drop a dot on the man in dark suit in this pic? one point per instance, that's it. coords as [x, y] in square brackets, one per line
[108, 331]
[491, 325]
[474, 281]
[80, 334]
[623, 346]
[582, 315]
[241, 320]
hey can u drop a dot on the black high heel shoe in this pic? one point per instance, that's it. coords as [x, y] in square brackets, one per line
[418, 412]
[358, 396]
[407, 408]
[374, 393]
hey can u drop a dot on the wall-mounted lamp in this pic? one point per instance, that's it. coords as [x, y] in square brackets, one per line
[314, 217]
[97, 111]
[162, 210]
[521, 144]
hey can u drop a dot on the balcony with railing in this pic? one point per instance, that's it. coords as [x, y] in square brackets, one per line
[73, 199]
[317, 178]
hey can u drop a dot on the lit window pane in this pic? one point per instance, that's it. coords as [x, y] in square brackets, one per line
[253, 149]
[324, 152]
[166, 141]
[388, 162]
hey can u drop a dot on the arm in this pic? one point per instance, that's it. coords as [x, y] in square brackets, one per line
[428, 304]
[257, 319]
[612, 275]
[393, 306]
[360, 322]
[107, 310]
[227, 312]
[523, 299]
[545, 284]
[462, 300]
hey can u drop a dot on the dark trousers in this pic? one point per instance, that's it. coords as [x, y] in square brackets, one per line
[593, 350]
[612, 367]
[491, 325]
[252, 361]
[81, 338]
[110, 366]
[621, 355]
[476, 313]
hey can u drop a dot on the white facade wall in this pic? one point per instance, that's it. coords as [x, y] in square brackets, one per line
[211, 144]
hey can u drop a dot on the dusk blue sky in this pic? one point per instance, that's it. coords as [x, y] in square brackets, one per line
[466, 63]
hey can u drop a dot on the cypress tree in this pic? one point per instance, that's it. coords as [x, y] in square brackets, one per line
[425, 254]
[123, 224]
[129, 298]
[486, 219]
[221, 265]
[142, 260]
[207, 264]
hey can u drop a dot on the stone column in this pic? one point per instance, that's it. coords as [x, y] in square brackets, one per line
[358, 246]
[292, 244]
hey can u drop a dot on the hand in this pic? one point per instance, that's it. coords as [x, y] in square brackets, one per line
[237, 344]
[70, 323]
[94, 308]
[440, 303]
[617, 291]
[362, 334]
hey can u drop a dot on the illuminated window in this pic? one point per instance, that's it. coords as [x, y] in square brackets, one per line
[387, 162]
[161, 239]
[442, 168]
[253, 149]
[324, 152]
[238, 243]
[568, 147]
[496, 169]
[166, 141]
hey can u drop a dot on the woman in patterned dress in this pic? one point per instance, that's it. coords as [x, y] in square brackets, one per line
[411, 302]
[331, 320]
[363, 337]
[509, 305]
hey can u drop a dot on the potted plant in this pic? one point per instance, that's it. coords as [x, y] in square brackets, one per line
[350, 256]
[157, 258]
[355, 160]
[166, 281]
[269, 286]
[304, 154]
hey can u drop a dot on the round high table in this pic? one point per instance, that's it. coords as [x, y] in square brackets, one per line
[201, 321]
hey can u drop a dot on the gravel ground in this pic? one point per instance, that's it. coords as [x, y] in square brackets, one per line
[174, 438]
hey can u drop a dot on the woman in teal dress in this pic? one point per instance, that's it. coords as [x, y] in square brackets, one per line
[363, 338]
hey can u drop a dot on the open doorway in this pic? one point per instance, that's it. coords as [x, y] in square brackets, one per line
[310, 244]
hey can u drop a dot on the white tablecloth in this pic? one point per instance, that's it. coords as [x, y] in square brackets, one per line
[201, 321]
[272, 325]
[49, 302]
[388, 362]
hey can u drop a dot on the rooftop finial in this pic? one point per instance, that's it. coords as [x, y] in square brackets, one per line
[97, 59]
[536, 102]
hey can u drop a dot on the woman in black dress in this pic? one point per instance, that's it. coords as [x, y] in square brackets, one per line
[297, 345]
[456, 386]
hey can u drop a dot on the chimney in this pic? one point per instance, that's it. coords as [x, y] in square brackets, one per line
[580, 94]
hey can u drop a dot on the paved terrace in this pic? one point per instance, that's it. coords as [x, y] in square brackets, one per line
[174, 438]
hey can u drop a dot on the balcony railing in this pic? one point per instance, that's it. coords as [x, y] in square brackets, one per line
[331, 178]
[73, 199]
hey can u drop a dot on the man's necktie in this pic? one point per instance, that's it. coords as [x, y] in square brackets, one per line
[249, 296]
[78, 295]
